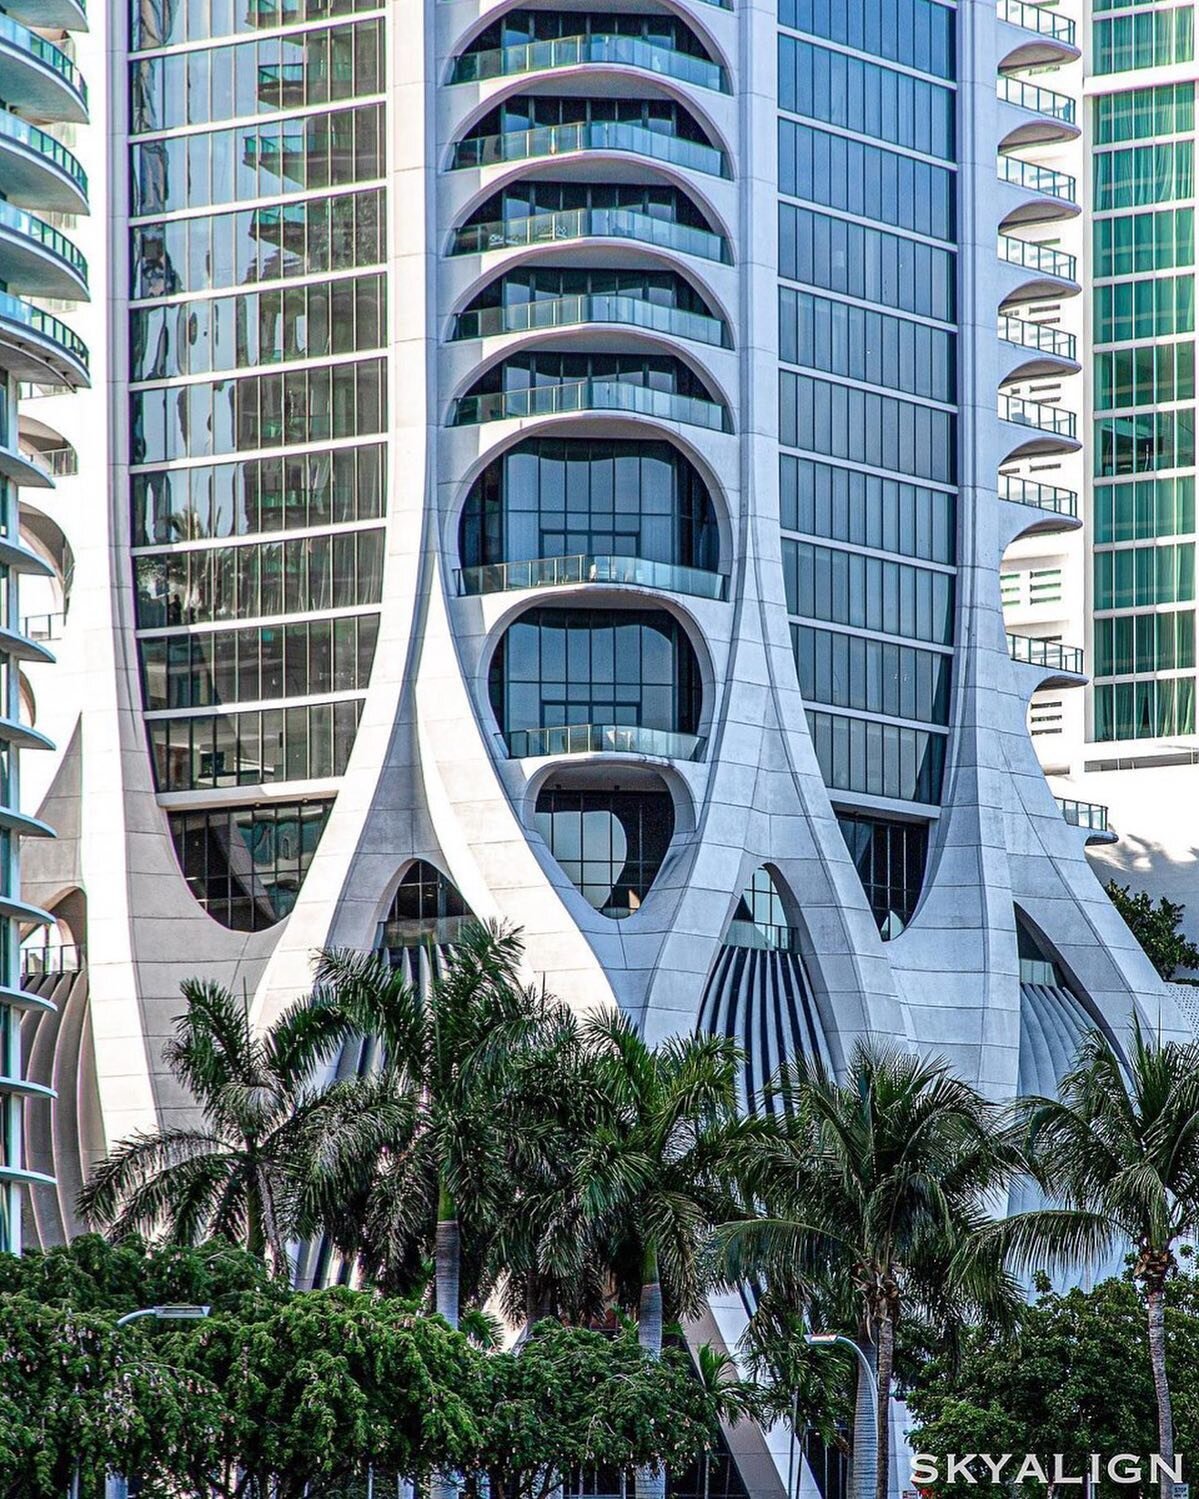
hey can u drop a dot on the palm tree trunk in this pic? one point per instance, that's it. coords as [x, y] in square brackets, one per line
[447, 1258]
[865, 1423]
[1155, 1302]
[651, 1483]
[886, 1359]
[255, 1230]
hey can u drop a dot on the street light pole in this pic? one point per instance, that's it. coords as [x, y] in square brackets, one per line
[865, 1464]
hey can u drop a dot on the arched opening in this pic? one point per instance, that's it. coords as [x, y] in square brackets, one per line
[890, 855]
[760, 918]
[427, 908]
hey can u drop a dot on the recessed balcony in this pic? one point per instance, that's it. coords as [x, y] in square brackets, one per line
[1051, 429]
[589, 135]
[1061, 665]
[38, 77]
[38, 171]
[602, 739]
[1054, 273]
[590, 50]
[36, 346]
[1055, 193]
[597, 394]
[569, 572]
[1090, 816]
[1054, 114]
[521, 232]
[37, 260]
[1051, 36]
[1051, 350]
[546, 314]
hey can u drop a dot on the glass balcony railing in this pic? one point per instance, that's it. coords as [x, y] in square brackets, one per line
[1041, 336]
[1052, 654]
[1041, 101]
[1044, 180]
[590, 135]
[762, 936]
[25, 224]
[44, 145]
[1043, 496]
[590, 223]
[589, 395]
[1039, 414]
[1039, 18]
[575, 51]
[1089, 815]
[64, 957]
[14, 310]
[424, 931]
[1034, 257]
[599, 307]
[557, 572]
[602, 739]
[43, 626]
[20, 38]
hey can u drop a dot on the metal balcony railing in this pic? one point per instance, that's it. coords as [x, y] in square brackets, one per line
[590, 223]
[1041, 101]
[601, 739]
[1089, 815]
[1038, 18]
[65, 957]
[590, 135]
[600, 307]
[557, 572]
[1043, 496]
[576, 51]
[1041, 336]
[762, 936]
[1034, 257]
[1044, 180]
[1039, 414]
[589, 395]
[1052, 654]
[44, 626]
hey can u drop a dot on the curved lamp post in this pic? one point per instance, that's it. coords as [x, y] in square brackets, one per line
[864, 1459]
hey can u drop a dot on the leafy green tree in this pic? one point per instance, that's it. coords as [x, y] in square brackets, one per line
[1119, 1147]
[880, 1182]
[238, 1173]
[1050, 1388]
[1156, 928]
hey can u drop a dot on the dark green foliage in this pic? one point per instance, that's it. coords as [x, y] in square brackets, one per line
[1156, 928]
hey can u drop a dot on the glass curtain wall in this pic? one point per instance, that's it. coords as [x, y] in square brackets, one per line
[258, 400]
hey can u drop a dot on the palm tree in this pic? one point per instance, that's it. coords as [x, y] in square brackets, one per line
[733, 1398]
[239, 1172]
[1119, 1148]
[881, 1183]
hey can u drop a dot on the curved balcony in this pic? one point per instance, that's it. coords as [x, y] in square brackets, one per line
[1090, 816]
[602, 739]
[1051, 35]
[38, 171]
[577, 311]
[39, 77]
[1054, 114]
[589, 395]
[1055, 272]
[37, 260]
[583, 50]
[1051, 350]
[589, 135]
[54, 15]
[1055, 429]
[1059, 503]
[564, 572]
[1063, 665]
[1056, 193]
[590, 223]
[36, 346]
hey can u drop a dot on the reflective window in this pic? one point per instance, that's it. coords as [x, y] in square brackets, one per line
[519, 27]
[868, 263]
[866, 510]
[878, 758]
[1135, 243]
[874, 676]
[1136, 577]
[530, 199]
[542, 283]
[307, 658]
[1138, 175]
[1138, 510]
[245, 864]
[427, 907]
[1145, 113]
[1143, 643]
[258, 494]
[1151, 38]
[1139, 444]
[294, 576]
[890, 858]
[1144, 309]
[868, 346]
[865, 180]
[866, 592]
[246, 749]
[260, 161]
[525, 112]
[266, 327]
[863, 427]
[159, 23]
[576, 496]
[596, 666]
[610, 843]
[1147, 375]
[258, 244]
[259, 411]
[919, 33]
[1146, 709]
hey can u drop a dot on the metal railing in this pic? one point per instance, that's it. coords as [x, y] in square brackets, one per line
[602, 739]
[1041, 101]
[41, 144]
[590, 223]
[589, 395]
[1033, 650]
[1089, 815]
[557, 572]
[1038, 18]
[762, 936]
[1047, 181]
[590, 135]
[1034, 257]
[574, 51]
[1041, 336]
[1043, 496]
[44, 626]
[592, 307]
[15, 310]
[61, 462]
[1039, 414]
[29, 227]
[23, 40]
[63, 957]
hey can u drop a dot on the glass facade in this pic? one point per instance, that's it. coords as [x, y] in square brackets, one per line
[611, 843]
[426, 908]
[890, 857]
[259, 392]
[1143, 528]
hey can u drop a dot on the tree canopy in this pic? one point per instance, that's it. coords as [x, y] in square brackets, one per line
[1156, 928]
